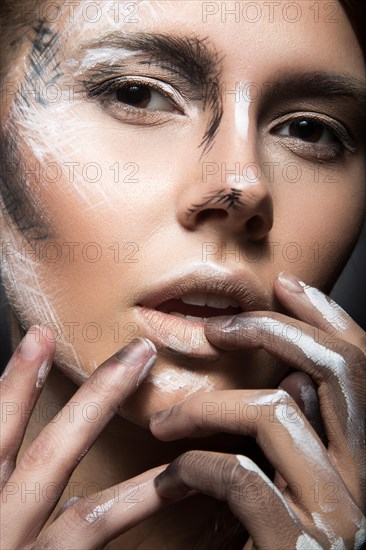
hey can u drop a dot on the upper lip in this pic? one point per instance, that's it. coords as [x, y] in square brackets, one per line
[240, 285]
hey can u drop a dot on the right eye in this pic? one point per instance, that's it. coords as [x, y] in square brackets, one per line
[143, 97]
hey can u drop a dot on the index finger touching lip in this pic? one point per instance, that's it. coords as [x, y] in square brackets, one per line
[316, 308]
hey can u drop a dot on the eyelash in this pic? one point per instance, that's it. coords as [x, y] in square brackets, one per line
[106, 90]
[322, 152]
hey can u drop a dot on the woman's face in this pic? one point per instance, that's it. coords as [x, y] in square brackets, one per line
[159, 150]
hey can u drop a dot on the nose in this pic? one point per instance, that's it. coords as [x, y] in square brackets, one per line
[229, 190]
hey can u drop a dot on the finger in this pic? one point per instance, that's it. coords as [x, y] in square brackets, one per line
[55, 453]
[338, 370]
[272, 418]
[315, 308]
[20, 386]
[251, 496]
[303, 390]
[92, 522]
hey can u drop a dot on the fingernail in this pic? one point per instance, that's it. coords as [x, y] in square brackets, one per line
[137, 352]
[160, 416]
[30, 346]
[167, 488]
[290, 282]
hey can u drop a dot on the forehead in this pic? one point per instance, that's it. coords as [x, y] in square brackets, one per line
[254, 37]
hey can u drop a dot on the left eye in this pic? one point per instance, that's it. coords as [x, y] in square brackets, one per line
[308, 130]
[143, 97]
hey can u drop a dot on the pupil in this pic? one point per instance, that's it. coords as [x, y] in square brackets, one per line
[307, 130]
[134, 95]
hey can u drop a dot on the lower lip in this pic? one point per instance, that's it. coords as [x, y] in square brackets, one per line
[176, 333]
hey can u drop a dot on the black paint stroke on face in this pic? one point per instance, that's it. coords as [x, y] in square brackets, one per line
[222, 197]
[191, 58]
[18, 203]
[43, 65]
[19, 206]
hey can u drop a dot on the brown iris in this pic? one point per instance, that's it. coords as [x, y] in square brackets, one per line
[307, 130]
[135, 95]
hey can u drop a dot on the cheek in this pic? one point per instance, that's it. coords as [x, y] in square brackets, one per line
[318, 219]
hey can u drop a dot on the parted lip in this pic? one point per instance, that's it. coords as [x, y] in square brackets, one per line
[239, 285]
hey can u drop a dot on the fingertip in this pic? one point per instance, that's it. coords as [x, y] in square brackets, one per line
[290, 282]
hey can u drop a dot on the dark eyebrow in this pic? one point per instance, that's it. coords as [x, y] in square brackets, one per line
[317, 84]
[193, 58]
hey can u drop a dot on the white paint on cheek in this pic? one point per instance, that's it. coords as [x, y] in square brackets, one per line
[29, 298]
[242, 113]
[172, 380]
[332, 312]
[304, 542]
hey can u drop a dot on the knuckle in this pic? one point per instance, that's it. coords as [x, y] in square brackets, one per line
[186, 461]
[283, 398]
[86, 514]
[101, 387]
[41, 452]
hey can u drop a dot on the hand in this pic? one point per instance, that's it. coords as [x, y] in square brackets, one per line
[323, 492]
[57, 450]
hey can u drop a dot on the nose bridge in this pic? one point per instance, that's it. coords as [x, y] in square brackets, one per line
[228, 184]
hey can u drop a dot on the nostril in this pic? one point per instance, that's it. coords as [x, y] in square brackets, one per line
[255, 224]
[213, 213]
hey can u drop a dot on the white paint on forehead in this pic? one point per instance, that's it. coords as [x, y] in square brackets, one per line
[106, 55]
[331, 311]
[114, 16]
[242, 113]
[172, 380]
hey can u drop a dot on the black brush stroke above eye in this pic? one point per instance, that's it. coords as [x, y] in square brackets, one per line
[42, 66]
[192, 58]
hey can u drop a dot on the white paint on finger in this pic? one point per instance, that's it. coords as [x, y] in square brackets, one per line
[332, 312]
[304, 542]
[337, 543]
[42, 372]
[325, 358]
[310, 400]
[248, 464]
[360, 536]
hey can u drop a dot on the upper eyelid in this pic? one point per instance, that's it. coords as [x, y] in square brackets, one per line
[330, 123]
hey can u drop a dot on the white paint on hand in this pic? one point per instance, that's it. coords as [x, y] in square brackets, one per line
[330, 310]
